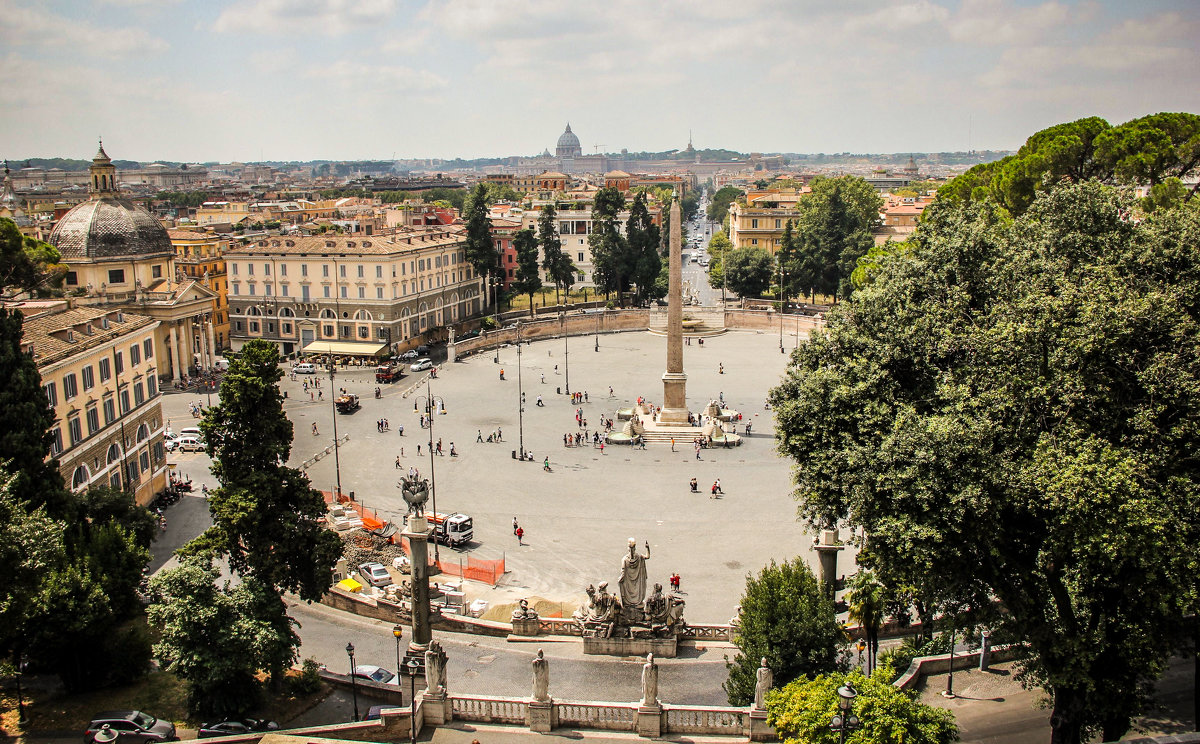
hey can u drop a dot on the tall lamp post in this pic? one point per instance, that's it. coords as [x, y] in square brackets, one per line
[353, 679]
[398, 633]
[337, 462]
[520, 400]
[781, 305]
[845, 721]
[566, 353]
[22, 718]
[597, 336]
[413, 668]
[432, 403]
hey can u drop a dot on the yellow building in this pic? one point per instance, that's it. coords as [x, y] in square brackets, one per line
[760, 221]
[99, 374]
[199, 256]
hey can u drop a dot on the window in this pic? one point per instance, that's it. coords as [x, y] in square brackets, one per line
[139, 393]
[304, 293]
[156, 272]
[342, 271]
[360, 271]
[72, 278]
[70, 386]
[235, 268]
[135, 355]
[270, 327]
[283, 269]
[110, 409]
[51, 391]
[287, 328]
[326, 292]
[778, 224]
[116, 276]
[93, 419]
[324, 269]
[254, 326]
[237, 325]
[252, 290]
[105, 370]
[249, 269]
[144, 460]
[267, 289]
[581, 255]
[120, 362]
[266, 269]
[303, 269]
[152, 386]
[158, 451]
[364, 332]
[148, 348]
[80, 478]
[754, 241]
[124, 399]
[753, 224]
[237, 287]
[55, 441]
[344, 295]
[378, 272]
[327, 330]
[283, 288]
[379, 293]
[362, 293]
[75, 430]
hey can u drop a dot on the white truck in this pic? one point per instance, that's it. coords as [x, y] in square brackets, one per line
[452, 529]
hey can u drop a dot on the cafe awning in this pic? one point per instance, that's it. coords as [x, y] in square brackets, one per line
[346, 348]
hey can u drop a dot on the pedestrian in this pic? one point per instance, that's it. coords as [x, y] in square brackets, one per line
[610, 392]
[543, 378]
[419, 452]
[692, 483]
[515, 525]
[717, 487]
[556, 369]
[397, 462]
[479, 435]
[453, 452]
[520, 535]
[400, 428]
[672, 444]
[585, 396]
[602, 446]
[539, 402]
[402, 452]
[499, 435]
[315, 432]
[714, 491]
[546, 464]
[697, 451]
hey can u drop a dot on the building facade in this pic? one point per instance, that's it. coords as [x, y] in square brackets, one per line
[99, 375]
[199, 256]
[364, 294]
[760, 222]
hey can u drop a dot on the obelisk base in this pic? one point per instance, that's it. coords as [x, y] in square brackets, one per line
[674, 409]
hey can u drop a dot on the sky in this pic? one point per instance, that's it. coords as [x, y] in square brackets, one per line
[204, 80]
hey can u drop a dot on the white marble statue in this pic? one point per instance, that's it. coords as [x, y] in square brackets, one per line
[541, 678]
[650, 683]
[435, 669]
[633, 576]
[763, 679]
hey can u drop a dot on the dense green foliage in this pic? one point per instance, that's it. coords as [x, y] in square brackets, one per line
[529, 277]
[265, 514]
[718, 248]
[609, 247]
[748, 271]
[555, 261]
[1009, 410]
[786, 617]
[27, 264]
[719, 206]
[801, 712]
[1149, 150]
[185, 198]
[642, 242]
[833, 230]
[480, 248]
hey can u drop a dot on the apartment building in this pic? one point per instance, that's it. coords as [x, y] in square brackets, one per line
[354, 295]
[99, 375]
[761, 220]
[199, 256]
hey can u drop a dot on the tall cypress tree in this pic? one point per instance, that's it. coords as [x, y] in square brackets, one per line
[529, 279]
[553, 257]
[480, 248]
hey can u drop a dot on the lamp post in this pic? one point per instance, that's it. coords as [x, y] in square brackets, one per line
[566, 353]
[520, 400]
[413, 668]
[398, 633]
[353, 679]
[432, 406]
[844, 720]
[597, 336]
[949, 691]
[337, 462]
[781, 306]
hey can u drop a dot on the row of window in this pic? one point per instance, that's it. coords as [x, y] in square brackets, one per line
[115, 276]
[284, 291]
[108, 405]
[71, 382]
[136, 466]
[412, 266]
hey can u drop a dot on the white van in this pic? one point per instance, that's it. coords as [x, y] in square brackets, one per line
[421, 364]
[189, 443]
[305, 368]
[221, 365]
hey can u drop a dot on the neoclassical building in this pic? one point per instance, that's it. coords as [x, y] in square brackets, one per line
[119, 256]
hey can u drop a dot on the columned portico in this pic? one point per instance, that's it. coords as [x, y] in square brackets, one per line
[175, 355]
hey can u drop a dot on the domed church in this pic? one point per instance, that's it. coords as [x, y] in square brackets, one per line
[118, 254]
[568, 145]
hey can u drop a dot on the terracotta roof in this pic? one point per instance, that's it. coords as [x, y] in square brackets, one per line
[182, 234]
[48, 332]
[370, 245]
[553, 174]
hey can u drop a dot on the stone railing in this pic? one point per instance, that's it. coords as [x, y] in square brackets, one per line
[488, 709]
[589, 715]
[706, 632]
[696, 719]
[558, 626]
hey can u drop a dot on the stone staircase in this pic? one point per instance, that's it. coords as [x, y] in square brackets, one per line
[697, 321]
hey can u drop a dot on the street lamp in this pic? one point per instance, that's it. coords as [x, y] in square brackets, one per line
[781, 305]
[398, 632]
[844, 721]
[337, 462]
[413, 668]
[432, 406]
[353, 679]
[566, 352]
[520, 400]
[597, 336]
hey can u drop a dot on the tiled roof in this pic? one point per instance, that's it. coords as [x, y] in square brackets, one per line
[48, 335]
[191, 235]
[109, 227]
[372, 245]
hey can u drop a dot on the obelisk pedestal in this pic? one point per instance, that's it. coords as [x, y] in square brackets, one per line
[417, 531]
[674, 408]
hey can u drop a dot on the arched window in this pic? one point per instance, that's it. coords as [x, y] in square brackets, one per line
[254, 311]
[327, 313]
[80, 477]
[362, 315]
[114, 454]
[286, 312]
[142, 433]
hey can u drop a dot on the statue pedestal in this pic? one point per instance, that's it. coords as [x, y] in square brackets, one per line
[760, 730]
[436, 708]
[662, 648]
[540, 716]
[649, 721]
[525, 627]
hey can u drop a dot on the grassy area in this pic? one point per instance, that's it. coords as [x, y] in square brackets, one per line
[546, 298]
[161, 694]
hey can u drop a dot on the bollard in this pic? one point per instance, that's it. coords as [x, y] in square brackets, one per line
[558, 390]
[514, 454]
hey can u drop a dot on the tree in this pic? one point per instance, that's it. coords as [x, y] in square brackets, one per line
[1153, 148]
[801, 712]
[610, 250]
[719, 206]
[555, 262]
[218, 638]
[786, 617]
[718, 248]
[867, 599]
[1008, 411]
[643, 239]
[480, 248]
[529, 277]
[834, 229]
[27, 264]
[748, 271]
[265, 514]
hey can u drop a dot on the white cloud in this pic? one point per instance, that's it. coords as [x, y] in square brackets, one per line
[1002, 23]
[318, 16]
[346, 76]
[31, 25]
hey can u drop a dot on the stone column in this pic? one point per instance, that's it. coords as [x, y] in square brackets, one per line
[827, 547]
[174, 349]
[674, 409]
[417, 530]
[189, 330]
[212, 341]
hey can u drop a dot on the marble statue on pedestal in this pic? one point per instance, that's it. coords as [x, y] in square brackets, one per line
[763, 679]
[649, 683]
[523, 612]
[541, 678]
[435, 669]
[633, 576]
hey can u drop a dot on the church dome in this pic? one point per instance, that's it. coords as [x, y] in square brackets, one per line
[568, 145]
[109, 227]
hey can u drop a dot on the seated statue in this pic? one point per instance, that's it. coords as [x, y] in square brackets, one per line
[598, 617]
[656, 607]
[523, 612]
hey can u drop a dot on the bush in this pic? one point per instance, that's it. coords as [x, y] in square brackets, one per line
[309, 679]
[898, 658]
[128, 653]
[489, 323]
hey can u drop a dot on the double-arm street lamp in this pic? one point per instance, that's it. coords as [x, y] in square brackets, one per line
[413, 668]
[520, 400]
[844, 721]
[337, 462]
[353, 678]
[432, 404]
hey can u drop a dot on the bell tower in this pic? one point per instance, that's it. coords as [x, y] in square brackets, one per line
[104, 175]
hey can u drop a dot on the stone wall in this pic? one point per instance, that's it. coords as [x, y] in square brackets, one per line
[574, 324]
[768, 320]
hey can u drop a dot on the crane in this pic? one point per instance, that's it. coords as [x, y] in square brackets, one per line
[597, 148]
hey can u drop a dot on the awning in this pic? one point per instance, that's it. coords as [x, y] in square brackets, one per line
[346, 348]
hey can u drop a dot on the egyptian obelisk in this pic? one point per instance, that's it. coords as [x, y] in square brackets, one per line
[675, 410]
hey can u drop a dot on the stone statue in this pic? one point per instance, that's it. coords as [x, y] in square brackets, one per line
[763, 679]
[523, 612]
[415, 493]
[633, 576]
[656, 607]
[598, 617]
[541, 678]
[435, 669]
[650, 683]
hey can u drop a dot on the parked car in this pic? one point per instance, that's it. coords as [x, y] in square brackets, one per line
[410, 354]
[232, 728]
[171, 443]
[422, 349]
[421, 364]
[375, 574]
[304, 368]
[374, 673]
[131, 726]
[189, 443]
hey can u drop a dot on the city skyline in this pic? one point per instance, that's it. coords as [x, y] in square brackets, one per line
[373, 79]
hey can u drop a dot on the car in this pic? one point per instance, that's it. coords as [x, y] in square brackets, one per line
[421, 364]
[373, 673]
[233, 728]
[189, 443]
[171, 443]
[410, 354]
[422, 350]
[304, 368]
[131, 726]
[375, 574]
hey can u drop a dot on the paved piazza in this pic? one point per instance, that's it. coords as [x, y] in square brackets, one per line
[578, 517]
